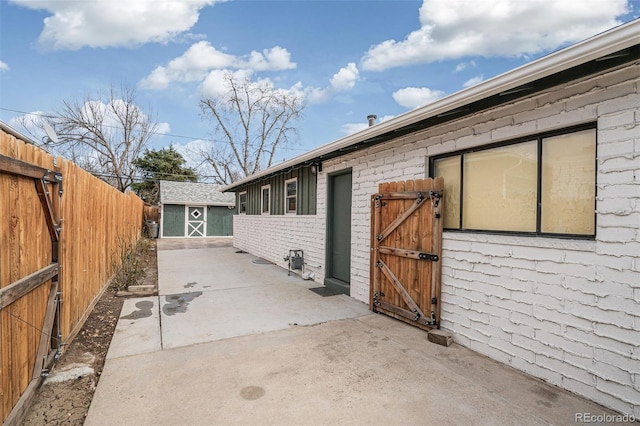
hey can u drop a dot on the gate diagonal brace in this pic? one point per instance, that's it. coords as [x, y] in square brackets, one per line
[393, 225]
[47, 207]
[400, 289]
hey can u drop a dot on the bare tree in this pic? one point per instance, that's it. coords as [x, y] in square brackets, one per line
[104, 135]
[252, 120]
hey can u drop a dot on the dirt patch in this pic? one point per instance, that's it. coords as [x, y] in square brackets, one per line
[66, 394]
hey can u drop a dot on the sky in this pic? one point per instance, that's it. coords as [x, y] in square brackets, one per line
[345, 59]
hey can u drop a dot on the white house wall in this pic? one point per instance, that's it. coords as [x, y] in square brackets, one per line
[271, 237]
[567, 311]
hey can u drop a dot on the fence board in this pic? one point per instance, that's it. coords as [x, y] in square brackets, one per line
[96, 220]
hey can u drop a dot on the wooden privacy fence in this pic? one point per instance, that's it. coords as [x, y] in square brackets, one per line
[151, 213]
[60, 230]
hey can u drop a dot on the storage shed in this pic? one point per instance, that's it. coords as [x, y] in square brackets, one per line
[195, 210]
[541, 244]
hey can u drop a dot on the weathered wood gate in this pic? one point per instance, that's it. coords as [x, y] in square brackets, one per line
[406, 250]
[18, 300]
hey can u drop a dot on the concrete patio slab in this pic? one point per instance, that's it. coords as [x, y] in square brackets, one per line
[231, 341]
[215, 293]
[138, 328]
[368, 370]
[204, 316]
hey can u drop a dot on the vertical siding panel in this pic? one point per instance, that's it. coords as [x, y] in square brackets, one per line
[313, 196]
[278, 198]
[307, 197]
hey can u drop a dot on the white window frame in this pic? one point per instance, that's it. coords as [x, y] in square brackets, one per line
[262, 210]
[240, 202]
[286, 197]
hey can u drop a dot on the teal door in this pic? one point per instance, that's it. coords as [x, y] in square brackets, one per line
[338, 274]
[173, 220]
[219, 221]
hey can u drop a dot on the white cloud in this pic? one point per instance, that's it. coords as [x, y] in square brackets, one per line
[464, 65]
[4, 66]
[215, 83]
[345, 79]
[455, 29]
[473, 81]
[201, 59]
[30, 124]
[274, 59]
[207, 65]
[351, 128]
[75, 24]
[190, 151]
[111, 123]
[316, 95]
[193, 65]
[413, 97]
[163, 128]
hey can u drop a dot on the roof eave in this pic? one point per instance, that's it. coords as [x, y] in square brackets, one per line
[598, 46]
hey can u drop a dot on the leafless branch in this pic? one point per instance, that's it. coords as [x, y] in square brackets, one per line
[104, 134]
[251, 122]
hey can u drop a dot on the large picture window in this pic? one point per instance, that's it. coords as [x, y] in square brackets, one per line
[291, 196]
[541, 185]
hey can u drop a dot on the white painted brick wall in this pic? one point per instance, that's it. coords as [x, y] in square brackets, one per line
[271, 238]
[567, 311]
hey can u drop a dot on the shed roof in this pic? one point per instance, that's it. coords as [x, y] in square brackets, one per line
[194, 193]
[603, 51]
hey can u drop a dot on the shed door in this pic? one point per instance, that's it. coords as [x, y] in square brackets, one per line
[173, 222]
[196, 221]
[406, 244]
[219, 221]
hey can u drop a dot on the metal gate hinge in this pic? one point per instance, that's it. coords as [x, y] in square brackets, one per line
[417, 317]
[437, 196]
[428, 256]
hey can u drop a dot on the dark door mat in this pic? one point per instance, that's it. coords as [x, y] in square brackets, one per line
[261, 261]
[324, 291]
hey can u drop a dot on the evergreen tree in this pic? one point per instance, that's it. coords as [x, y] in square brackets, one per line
[154, 166]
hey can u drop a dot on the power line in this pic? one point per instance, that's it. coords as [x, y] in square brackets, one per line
[193, 138]
[156, 176]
